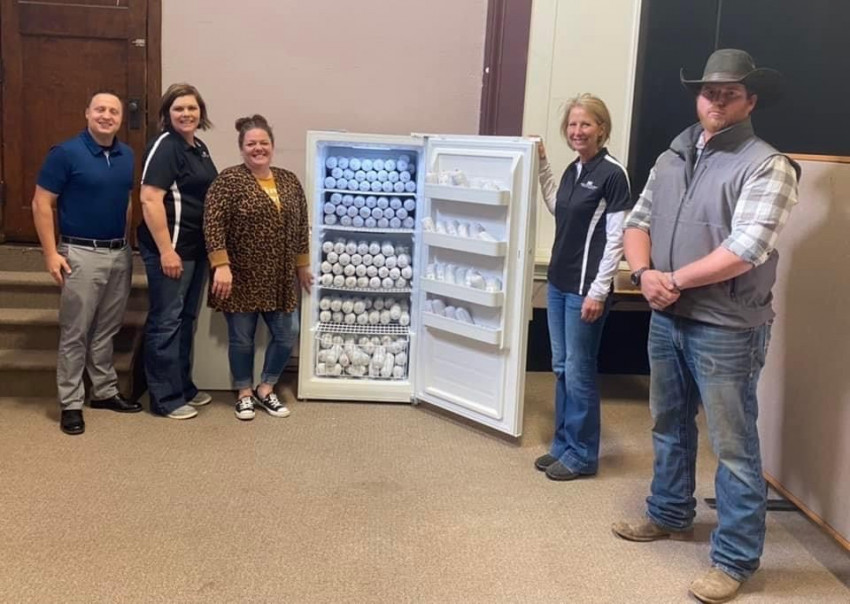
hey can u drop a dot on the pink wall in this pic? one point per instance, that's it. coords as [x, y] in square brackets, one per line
[385, 66]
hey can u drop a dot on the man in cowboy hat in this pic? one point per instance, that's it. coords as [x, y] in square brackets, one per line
[700, 242]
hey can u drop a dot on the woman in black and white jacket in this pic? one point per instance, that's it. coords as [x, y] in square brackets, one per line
[590, 206]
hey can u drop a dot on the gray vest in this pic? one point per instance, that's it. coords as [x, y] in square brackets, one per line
[692, 211]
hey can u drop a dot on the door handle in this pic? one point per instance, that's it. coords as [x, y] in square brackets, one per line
[134, 107]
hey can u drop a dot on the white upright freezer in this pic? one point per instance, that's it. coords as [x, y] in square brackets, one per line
[423, 252]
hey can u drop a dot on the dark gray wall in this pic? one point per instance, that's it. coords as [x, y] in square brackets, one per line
[809, 42]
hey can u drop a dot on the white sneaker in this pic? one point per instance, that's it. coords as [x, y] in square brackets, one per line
[201, 399]
[245, 408]
[184, 412]
[273, 405]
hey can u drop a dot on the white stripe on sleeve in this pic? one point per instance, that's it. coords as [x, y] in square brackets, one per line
[597, 216]
[611, 256]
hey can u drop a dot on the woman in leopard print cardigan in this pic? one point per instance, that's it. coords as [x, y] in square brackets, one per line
[256, 230]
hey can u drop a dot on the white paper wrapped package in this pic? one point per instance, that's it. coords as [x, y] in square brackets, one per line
[458, 178]
[440, 307]
[459, 275]
[366, 310]
[372, 357]
[382, 264]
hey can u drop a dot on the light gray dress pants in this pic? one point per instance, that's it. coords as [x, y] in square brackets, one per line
[91, 312]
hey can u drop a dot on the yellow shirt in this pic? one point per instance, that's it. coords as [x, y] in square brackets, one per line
[267, 185]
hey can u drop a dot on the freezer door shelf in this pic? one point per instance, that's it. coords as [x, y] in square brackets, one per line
[495, 249]
[461, 292]
[467, 330]
[468, 195]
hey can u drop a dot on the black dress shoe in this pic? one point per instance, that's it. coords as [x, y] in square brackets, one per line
[72, 421]
[117, 403]
[558, 471]
[544, 461]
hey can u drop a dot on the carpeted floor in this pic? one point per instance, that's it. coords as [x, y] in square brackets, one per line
[354, 503]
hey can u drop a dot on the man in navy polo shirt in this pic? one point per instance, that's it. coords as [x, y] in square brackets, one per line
[89, 179]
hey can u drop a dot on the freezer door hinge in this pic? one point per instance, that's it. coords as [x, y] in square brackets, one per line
[413, 400]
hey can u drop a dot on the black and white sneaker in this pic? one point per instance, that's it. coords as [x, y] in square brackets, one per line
[245, 407]
[272, 404]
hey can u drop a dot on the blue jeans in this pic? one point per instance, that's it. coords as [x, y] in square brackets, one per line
[169, 331]
[691, 362]
[241, 327]
[575, 348]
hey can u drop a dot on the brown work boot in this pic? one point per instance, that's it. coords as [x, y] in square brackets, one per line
[642, 530]
[714, 586]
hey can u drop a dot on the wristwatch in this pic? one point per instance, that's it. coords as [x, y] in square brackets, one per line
[635, 276]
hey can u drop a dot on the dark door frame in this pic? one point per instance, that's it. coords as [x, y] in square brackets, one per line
[505, 67]
[154, 66]
[153, 86]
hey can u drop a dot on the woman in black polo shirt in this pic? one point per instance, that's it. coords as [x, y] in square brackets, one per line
[177, 172]
[589, 208]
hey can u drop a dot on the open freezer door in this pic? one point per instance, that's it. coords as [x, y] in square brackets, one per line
[474, 294]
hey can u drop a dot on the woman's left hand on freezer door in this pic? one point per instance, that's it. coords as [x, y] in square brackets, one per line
[541, 148]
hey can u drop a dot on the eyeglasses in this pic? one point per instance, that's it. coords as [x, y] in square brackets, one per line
[718, 94]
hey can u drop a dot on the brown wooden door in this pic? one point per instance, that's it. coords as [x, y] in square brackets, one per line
[55, 55]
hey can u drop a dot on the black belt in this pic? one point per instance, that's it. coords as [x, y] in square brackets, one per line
[110, 244]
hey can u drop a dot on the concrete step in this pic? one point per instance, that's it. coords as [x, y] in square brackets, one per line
[32, 373]
[31, 289]
[20, 258]
[38, 329]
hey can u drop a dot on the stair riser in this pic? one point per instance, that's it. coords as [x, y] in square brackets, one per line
[42, 297]
[42, 382]
[46, 337]
[14, 258]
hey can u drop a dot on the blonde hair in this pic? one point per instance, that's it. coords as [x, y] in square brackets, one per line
[596, 108]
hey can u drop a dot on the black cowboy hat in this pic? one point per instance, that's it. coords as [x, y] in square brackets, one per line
[733, 66]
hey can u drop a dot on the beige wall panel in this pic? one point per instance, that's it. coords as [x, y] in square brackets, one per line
[578, 46]
[805, 388]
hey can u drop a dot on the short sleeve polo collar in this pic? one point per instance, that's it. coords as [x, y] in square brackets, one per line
[95, 148]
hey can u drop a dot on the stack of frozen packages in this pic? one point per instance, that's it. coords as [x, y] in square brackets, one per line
[388, 175]
[364, 311]
[365, 265]
[369, 211]
[457, 178]
[457, 229]
[438, 306]
[459, 275]
[382, 357]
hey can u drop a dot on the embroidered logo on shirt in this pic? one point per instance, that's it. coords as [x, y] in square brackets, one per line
[589, 185]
